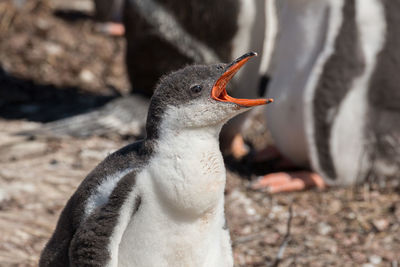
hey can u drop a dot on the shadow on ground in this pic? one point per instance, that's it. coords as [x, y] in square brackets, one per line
[72, 15]
[27, 99]
[249, 169]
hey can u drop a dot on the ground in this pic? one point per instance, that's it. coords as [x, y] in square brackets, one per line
[54, 64]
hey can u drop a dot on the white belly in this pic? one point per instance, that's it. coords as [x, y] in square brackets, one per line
[189, 184]
[181, 217]
[295, 67]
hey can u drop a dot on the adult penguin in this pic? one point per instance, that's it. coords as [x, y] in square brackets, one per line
[337, 99]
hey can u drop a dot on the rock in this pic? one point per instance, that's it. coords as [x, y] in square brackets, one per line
[86, 76]
[324, 228]
[375, 259]
[53, 49]
[3, 195]
[380, 224]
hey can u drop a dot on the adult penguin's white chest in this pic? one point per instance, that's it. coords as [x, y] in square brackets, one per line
[181, 218]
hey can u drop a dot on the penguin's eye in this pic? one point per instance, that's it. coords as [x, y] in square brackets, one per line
[196, 89]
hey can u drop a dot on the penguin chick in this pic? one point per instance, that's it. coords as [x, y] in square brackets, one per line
[159, 201]
[166, 35]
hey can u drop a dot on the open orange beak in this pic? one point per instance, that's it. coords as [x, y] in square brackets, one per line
[219, 93]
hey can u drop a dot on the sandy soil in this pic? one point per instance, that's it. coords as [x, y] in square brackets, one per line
[53, 64]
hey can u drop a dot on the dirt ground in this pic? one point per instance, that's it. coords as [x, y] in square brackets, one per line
[53, 64]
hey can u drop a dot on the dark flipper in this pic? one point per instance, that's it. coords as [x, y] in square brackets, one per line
[91, 243]
[71, 234]
[56, 251]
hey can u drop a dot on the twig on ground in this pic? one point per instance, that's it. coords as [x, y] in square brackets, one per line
[247, 238]
[286, 240]
[7, 15]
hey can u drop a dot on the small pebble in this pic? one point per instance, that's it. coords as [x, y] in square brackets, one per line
[380, 224]
[86, 76]
[324, 228]
[3, 195]
[43, 24]
[375, 259]
[53, 49]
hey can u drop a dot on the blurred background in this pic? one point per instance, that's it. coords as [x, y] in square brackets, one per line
[58, 60]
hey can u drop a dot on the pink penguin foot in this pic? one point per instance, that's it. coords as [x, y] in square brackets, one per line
[111, 28]
[289, 182]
